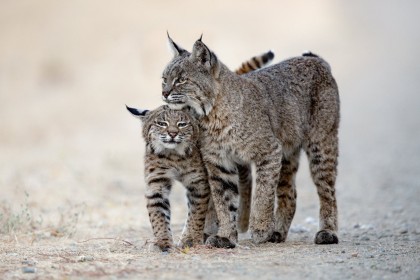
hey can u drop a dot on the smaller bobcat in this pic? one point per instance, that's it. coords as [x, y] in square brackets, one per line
[172, 153]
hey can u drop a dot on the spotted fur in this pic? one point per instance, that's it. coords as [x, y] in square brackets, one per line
[172, 153]
[264, 117]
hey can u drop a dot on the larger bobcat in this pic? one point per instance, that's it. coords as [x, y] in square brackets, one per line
[172, 153]
[265, 117]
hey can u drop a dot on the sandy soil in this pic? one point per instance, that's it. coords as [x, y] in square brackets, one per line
[71, 178]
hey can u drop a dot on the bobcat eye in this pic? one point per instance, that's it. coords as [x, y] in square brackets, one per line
[163, 81]
[162, 124]
[180, 81]
[182, 124]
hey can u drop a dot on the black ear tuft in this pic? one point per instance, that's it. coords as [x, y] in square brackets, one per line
[136, 112]
[177, 50]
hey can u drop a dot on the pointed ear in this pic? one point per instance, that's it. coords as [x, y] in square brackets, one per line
[138, 113]
[201, 54]
[177, 50]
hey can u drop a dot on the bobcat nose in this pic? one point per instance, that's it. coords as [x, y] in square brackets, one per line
[166, 93]
[173, 134]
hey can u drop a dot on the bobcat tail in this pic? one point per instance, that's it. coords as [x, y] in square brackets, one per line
[255, 63]
[311, 54]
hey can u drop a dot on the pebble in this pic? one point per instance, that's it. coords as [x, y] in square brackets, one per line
[28, 262]
[28, 269]
[396, 269]
[384, 235]
[342, 252]
[85, 258]
[354, 255]
[361, 226]
[404, 231]
[311, 221]
[365, 238]
[368, 226]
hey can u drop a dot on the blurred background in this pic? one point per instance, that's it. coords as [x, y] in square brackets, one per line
[67, 69]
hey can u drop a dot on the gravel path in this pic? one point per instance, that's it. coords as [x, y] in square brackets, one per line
[71, 181]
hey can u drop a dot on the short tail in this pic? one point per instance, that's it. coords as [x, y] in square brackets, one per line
[311, 54]
[255, 63]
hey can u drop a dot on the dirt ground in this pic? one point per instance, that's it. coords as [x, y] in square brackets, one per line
[71, 179]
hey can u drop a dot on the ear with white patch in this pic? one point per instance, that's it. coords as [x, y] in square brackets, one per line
[138, 113]
[177, 50]
[201, 54]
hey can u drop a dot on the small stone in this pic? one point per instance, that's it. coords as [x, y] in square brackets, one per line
[28, 269]
[356, 243]
[356, 226]
[12, 254]
[368, 227]
[404, 231]
[85, 258]
[371, 256]
[28, 262]
[365, 238]
[354, 255]
[342, 252]
[311, 221]
[396, 269]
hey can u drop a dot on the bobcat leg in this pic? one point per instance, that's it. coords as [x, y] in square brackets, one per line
[323, 165]
[245, 192]
[158, 206]
[212, 224]
[286, 196]
[224, 189]
[198, 196]
[262, 214]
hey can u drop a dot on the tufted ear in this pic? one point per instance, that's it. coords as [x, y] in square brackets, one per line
[177, 50]
[201, 54]
[138, 113]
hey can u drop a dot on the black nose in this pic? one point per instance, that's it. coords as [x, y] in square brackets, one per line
[173, 134]
[166, 93]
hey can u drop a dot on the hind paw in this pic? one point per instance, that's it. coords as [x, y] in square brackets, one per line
[220, 242]
[326, 236]
[277, 237]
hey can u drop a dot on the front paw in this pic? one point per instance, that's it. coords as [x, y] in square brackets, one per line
[160, 246]
[326, 236]
[220, 242]
[190, 242]
[261, 235]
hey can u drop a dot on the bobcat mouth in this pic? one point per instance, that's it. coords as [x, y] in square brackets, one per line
[175, 99]
[170, 142]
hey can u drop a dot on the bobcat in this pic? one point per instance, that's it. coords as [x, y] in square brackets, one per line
[172, 153]
[264, 117]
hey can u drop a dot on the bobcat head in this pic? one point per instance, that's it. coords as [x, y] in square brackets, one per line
[166, 130]
[190, 78]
